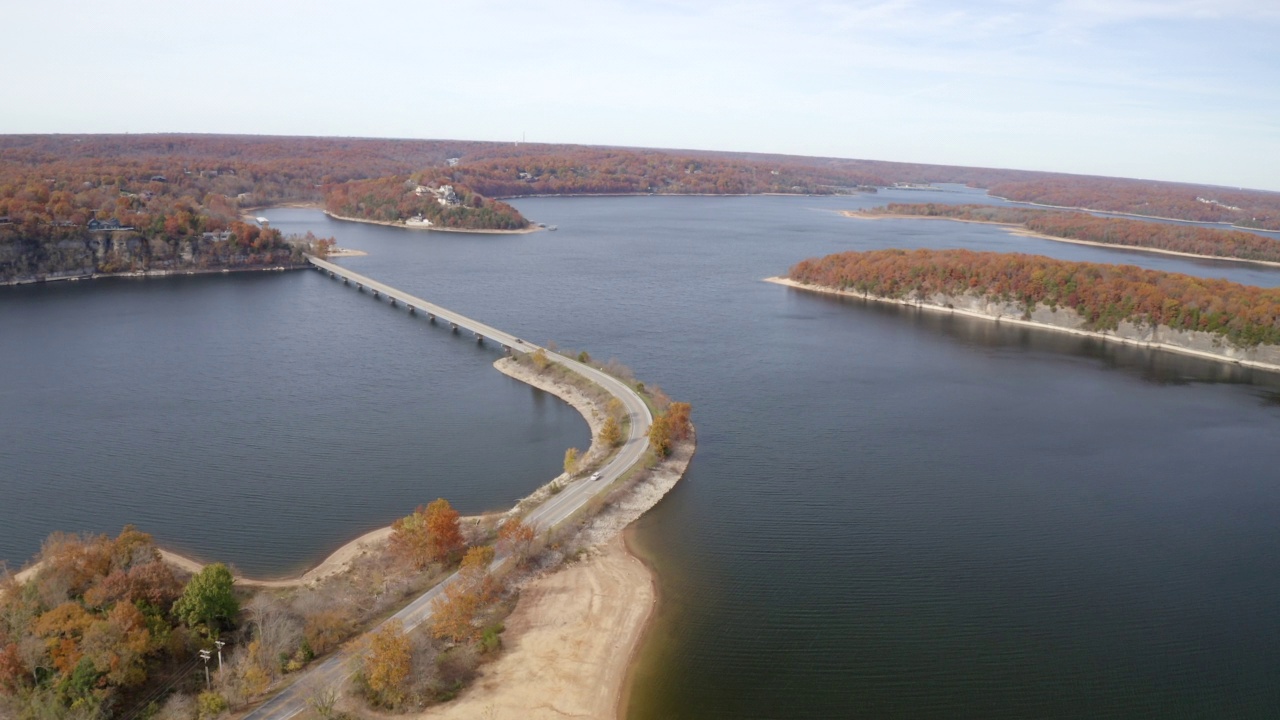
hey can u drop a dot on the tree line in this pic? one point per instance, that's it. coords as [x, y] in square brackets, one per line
[1125, 232]
[1104, 295]
[105, 628]
[53, 179]
[101, 623]
[1246, 208]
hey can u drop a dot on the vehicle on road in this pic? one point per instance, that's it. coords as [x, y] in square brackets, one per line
[595, 476]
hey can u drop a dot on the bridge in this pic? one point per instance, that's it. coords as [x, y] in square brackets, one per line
[334, 670]
[417, 305]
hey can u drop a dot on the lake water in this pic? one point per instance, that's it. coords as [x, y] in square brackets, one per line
[891, 513]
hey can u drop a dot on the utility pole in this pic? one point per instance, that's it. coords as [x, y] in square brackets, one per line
[205, 655]
[219, 643]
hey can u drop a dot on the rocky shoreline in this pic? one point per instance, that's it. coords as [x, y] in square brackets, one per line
[153, 274]
[1198, 344]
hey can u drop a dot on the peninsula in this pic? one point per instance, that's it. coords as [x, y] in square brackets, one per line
[1080, 227]
[1121, 303]
[291, 631]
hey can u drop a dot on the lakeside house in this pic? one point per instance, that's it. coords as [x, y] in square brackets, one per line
[106, 225]
[1224, 206]
[445, 194]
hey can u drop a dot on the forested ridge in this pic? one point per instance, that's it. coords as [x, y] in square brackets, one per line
[1201, 203]
[1198, 240]
[45, 176]
[1103, 295]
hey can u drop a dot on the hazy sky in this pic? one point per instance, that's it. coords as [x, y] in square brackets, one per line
[1168, 89]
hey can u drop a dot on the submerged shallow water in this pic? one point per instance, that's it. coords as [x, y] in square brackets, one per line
[891, 513]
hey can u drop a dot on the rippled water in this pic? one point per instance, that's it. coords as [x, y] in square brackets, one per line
[262, 419]
[891, 513]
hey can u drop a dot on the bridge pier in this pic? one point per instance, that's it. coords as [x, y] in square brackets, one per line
[453, 326]
[359, 287]
[331, 274]
[479, 339]
[411, 310]
[431, 318]
[393, 301]
[345, 281]
[506, 349]
[376, 295]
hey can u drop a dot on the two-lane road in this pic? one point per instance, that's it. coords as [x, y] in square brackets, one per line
[333, 671]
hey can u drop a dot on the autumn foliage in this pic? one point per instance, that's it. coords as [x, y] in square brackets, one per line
[454, 613]
[515, 538]
[52, 178]
[611, 432]
[1246, 208]
[395, 199]
[430, 534]
[670, 427]
[1104, 295]
[87, 629]
[1198, 240]
[387, 663]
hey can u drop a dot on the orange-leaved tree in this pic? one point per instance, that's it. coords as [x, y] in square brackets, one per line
[387, 664]
[446, 534]
[430, 534]
[454, 613]
[611, 432]
[515, 538]
[670, 427]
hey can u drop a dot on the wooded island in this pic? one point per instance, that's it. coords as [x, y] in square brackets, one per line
[1205, 316]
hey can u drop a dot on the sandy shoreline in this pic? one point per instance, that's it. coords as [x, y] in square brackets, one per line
[568, 645]
[1107, 337]
[1021, 231]
[576, 630]
[339, 560]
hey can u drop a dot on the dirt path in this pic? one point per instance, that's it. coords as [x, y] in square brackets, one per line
[570, 641]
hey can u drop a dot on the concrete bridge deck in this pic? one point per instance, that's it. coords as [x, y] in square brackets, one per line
[417, 304]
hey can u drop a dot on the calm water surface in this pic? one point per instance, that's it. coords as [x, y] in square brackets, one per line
[891, 514]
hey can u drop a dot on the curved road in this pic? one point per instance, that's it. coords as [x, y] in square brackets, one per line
[338, 667]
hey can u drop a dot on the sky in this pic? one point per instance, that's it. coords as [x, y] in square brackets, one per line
[1184, 90]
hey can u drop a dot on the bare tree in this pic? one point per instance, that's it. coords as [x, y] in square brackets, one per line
[276, 627]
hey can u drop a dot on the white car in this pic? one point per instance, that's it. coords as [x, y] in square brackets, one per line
[595, 476]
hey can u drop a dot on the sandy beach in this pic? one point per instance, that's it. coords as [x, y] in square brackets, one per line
[568, 645]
